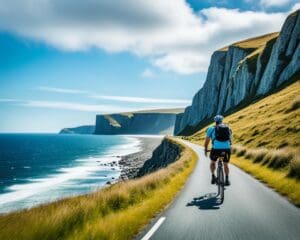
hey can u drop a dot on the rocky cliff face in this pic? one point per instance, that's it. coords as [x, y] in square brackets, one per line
[243, 72]
[166, 153]
[88, 129]
[136, 123]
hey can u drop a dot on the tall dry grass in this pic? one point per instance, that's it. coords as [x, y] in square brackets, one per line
[295, 166]
[278, 168]
[275, 158]
[117, 212]
[257, 155]
[277, 180]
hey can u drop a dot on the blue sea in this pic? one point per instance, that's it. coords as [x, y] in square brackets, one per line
[40, 168]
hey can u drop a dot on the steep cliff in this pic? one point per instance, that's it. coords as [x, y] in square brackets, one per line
[88, 129]
[166, 153]
[242, 73]
[143, 122]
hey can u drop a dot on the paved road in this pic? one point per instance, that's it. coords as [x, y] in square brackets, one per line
[250, 210]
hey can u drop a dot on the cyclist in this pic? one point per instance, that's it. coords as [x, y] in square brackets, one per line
[220, 134]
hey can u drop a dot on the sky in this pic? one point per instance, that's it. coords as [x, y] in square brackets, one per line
[63, 62]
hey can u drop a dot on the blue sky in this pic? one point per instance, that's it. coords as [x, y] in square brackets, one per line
[62, 63]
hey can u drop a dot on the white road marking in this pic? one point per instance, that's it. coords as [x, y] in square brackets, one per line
[154, 228]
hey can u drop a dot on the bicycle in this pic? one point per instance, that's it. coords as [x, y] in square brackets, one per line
[220, 181]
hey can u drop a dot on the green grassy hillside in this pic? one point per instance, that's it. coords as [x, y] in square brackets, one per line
[116, 212]
[266, 140]
[253, 43]
[163, 110]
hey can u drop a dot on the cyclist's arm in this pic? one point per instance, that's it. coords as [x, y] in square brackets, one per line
[206, 142]
[207, 139]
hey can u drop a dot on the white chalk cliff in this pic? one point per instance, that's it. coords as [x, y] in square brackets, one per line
[243, 72]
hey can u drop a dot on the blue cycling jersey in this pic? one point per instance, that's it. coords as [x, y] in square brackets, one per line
[210, 133]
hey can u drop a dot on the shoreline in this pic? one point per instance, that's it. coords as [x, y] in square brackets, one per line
[131, 163]
[119, 210]
[125, 162]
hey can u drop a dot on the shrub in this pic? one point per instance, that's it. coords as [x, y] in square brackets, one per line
[294, 105]
[295, 166]
[283, 144]
[265, 130]
[255, 132]
[239, 150]
[294, 129]
[257, 155]
[278, 158]
[249, 154]
[262, 143]
[249, 140]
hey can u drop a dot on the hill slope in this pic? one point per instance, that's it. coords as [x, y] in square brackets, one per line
[266, 140]
[243, 72]
[160, 121]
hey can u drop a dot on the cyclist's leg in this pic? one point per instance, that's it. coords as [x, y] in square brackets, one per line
[226, 167]
[226, 161]
[212, 167]
[213, 158]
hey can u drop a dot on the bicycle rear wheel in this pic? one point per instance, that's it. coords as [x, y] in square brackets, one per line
[221, 184]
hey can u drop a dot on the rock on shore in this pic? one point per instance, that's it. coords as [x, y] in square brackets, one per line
[131, 164]
[166, 153]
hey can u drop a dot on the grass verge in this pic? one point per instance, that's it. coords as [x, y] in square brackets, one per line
[279, 181]
[116, 212]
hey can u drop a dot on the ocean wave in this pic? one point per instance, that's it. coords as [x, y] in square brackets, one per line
[67, 179]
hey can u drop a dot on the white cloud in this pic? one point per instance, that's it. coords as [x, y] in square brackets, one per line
[274, 3]
[105, 97]
[61, 90]
[72, 106]
[148, 73]
[168, 33]
[142, 100]
[97, 108]
[184, 63]
[295, 7]
[65, 105]
[7, 100]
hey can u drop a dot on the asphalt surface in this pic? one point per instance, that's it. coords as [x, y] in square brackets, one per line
[250, 210]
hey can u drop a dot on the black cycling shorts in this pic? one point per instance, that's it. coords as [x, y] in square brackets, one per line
[215, 153]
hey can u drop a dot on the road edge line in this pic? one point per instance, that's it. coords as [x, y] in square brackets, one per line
[154, 228]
